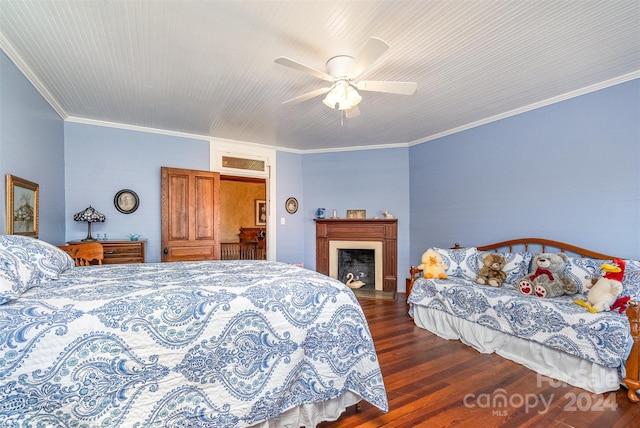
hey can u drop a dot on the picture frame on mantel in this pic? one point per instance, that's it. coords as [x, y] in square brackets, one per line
[357, 214]
[22, 202]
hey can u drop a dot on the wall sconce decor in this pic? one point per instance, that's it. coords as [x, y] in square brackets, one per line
[90, 215]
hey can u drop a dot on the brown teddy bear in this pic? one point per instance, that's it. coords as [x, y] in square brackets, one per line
[491, 273]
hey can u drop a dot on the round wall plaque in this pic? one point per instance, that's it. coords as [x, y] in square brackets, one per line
[291, 205]
[126, 201]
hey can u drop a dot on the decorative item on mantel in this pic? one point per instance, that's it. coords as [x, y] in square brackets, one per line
[387, 214]
[90, 215]
[134, 236]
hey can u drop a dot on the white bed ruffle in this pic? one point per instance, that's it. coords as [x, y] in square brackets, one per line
[539, 358]
[310, 415]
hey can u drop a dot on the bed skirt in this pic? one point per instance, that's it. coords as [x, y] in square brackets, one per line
[310, 415]
[539, 358]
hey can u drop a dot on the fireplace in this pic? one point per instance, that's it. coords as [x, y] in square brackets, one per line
[348, 235]
[361, 259]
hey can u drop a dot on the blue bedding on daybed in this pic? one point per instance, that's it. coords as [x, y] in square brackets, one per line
[558, 323]
[181, 344]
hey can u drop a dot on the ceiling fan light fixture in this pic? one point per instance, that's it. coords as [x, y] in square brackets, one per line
[343, 71]
[330, 100]
[342, 97]
[353, 98]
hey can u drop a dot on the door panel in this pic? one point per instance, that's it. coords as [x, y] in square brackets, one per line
[204, 188]
[190, 215]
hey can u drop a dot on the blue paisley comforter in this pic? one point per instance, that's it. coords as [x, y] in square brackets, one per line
[226, 344]
[558, 323]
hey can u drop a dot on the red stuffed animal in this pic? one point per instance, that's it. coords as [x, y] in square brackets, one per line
[621, 304]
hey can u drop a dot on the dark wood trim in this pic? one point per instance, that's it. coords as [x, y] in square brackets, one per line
[383, 230]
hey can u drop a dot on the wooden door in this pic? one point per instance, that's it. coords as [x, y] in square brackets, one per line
[190, 215]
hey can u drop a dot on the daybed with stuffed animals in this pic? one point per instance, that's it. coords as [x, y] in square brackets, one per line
[553, 329]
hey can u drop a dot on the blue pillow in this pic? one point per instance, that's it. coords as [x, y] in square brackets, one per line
[50, 260]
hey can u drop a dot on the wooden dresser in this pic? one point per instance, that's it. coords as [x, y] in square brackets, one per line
[121, 252]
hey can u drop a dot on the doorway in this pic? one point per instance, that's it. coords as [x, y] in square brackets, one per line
[243, 218]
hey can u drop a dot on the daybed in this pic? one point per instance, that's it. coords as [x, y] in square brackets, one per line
[552, 336]
[222, 343]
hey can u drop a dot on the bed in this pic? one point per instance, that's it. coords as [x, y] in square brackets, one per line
[222, 343]
[552, 336]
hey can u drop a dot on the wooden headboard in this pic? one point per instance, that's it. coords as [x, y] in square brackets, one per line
[543, 246]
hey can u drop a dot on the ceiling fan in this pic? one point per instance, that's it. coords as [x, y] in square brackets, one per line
[343, 72]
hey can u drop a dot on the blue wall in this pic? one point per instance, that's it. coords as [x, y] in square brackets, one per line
[372, 180]
[100, 161]
[32, 148]
[290, 236]
[569, 171]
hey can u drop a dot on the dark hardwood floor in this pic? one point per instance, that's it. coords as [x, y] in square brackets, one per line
[433, 382]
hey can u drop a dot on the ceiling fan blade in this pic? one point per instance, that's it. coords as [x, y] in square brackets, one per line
[287, 62]
[352, 112]
[307, 96]
[371, 51]
[402, 88]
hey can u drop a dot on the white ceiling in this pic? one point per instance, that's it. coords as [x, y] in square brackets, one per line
[207, 68]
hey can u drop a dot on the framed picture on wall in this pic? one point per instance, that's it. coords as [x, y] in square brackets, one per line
[261, 212]
[126, 201]
[359, 214]
[22, 206]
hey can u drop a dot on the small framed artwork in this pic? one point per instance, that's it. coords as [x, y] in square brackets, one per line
[126, 201]
[359, 214]
[22, 206]
[261, 212]
[291, 205]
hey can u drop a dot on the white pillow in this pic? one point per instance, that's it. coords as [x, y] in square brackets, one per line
[462, 263]
[582, 270]
[518, 264]
[47, 258]
[631, 280]
[16, 276]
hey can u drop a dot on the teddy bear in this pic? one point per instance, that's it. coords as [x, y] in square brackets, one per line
[547, 278]
[603, 292]
[432, 265]
[491, 273]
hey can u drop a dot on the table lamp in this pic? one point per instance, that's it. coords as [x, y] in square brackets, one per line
[90, 215]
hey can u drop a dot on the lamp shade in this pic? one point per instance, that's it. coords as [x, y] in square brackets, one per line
[342, 97]
[90, 215]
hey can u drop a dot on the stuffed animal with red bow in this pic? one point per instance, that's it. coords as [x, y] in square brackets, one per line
[604, 292]
[547, 278]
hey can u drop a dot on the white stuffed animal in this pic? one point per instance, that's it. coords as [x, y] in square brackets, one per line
[605, 290]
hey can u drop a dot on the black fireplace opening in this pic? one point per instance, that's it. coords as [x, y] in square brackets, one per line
[357, 265]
